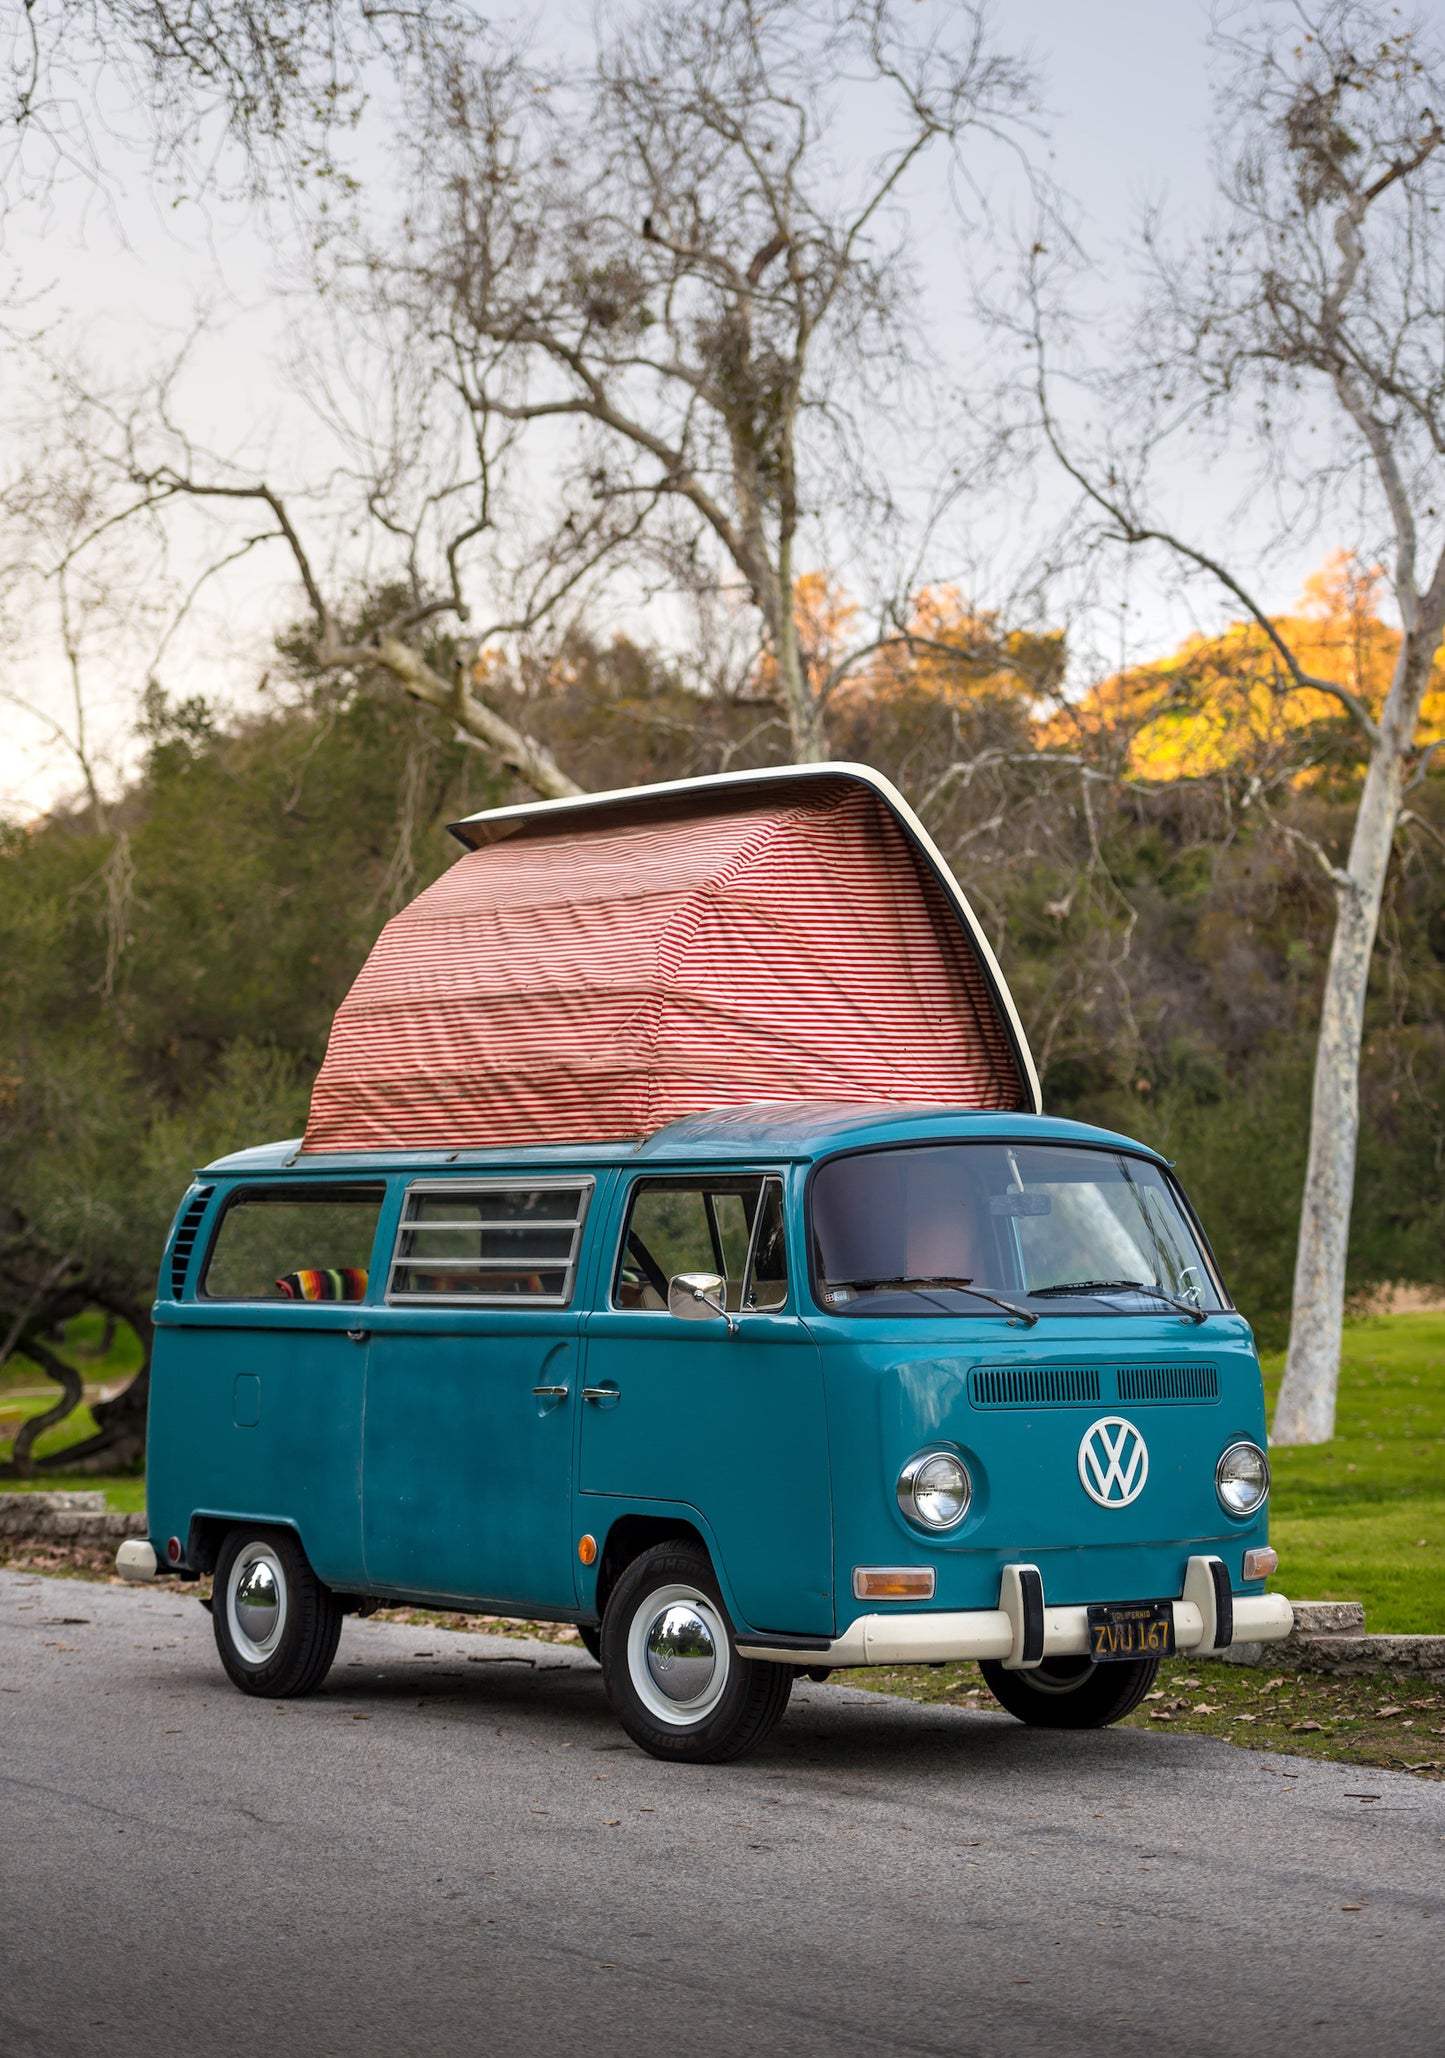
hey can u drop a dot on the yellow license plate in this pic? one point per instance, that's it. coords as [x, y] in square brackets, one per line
[1119, 1630]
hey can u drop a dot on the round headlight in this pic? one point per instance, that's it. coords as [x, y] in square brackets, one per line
[1241, 1478]
[934, 1489]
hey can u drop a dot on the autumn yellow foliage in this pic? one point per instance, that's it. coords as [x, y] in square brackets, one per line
[947, 649]
[1222, 700]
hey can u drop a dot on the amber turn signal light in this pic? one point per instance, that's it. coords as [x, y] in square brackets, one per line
[587, 1550]
[893, 1583]
[1260, 1563]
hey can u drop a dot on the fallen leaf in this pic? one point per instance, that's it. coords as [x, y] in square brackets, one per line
[1384, 1713]
[1424, 1765]
[1206, 1708]
[1246, 1718]
[1352, 1908]
[1160, 1715]
[1299, 1728]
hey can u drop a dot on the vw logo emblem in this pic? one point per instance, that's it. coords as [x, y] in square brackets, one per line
[1113, 1462]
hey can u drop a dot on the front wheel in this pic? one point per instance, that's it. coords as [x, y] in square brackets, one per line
[1071, 1693]
[676, 1684]
[277, 1626]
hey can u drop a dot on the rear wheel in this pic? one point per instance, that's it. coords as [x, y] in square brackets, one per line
[277, 1626]
[675, 1681]
[1071, 1693]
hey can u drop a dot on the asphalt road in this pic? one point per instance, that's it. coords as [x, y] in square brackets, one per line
[452, 1849]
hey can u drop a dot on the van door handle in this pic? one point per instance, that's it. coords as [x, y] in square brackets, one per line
[358, 1335]
[601, 1393]
[551, 1393]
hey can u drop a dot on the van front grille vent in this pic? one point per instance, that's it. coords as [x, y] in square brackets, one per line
[1168, 1383]
[185, 1241]
[1032, 1386]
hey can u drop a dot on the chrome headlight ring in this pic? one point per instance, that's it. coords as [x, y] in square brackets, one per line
[935, 1490]
[1241, 1479]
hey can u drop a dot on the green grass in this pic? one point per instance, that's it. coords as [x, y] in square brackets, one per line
[26, 1390]
[125, 1492]
[1363, 1518]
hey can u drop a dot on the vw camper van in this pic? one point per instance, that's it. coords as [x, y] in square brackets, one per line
[677, 1249]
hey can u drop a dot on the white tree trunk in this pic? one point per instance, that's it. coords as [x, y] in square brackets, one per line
[805, 715]
[804, 710]
[523, 754]
[1305, 1411]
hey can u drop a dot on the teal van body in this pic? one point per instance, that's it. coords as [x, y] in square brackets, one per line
[791, 1385]
[461, 1455]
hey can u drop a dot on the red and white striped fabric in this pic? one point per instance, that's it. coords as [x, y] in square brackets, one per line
[598, 982]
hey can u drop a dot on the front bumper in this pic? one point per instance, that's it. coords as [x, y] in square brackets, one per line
[1024, 1629]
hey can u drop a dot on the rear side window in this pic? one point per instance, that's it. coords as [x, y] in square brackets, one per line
[294, 1244]
[732, 1227]
[494, 1244]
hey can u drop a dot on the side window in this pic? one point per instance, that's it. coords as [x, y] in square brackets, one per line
[730, 1226]
[494, 1244]
[293, 1244]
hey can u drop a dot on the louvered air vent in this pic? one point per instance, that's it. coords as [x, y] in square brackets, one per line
[1168, 1383]
[185, 1241]
[1032, 1386]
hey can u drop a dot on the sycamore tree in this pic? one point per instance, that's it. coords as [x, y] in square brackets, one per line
[676, 277]
[634, 328]
[1307, 331]
[218, 93]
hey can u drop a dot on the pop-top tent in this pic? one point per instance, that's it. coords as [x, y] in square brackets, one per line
[594, 968]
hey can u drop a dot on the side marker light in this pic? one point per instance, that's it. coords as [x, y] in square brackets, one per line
[893, 1583]
[587, 1550]
[1259, 1564]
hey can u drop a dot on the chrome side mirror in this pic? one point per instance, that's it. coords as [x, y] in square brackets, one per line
[697, 1296]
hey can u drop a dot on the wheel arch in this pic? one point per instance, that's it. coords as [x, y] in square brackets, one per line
[630, 1535]
[208, 1532]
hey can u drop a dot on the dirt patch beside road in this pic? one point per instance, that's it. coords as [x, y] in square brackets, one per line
[1369, 1721]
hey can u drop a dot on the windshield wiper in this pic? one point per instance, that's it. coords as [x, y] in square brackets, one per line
[1119, 1286]
[948, 1283]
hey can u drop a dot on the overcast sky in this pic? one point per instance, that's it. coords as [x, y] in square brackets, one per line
[1127, 88]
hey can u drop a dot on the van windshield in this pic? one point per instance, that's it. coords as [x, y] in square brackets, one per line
[1046, 1228]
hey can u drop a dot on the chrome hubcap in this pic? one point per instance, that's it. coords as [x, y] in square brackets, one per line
[681, 1653]
[679, 1657]
[256, 1603]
